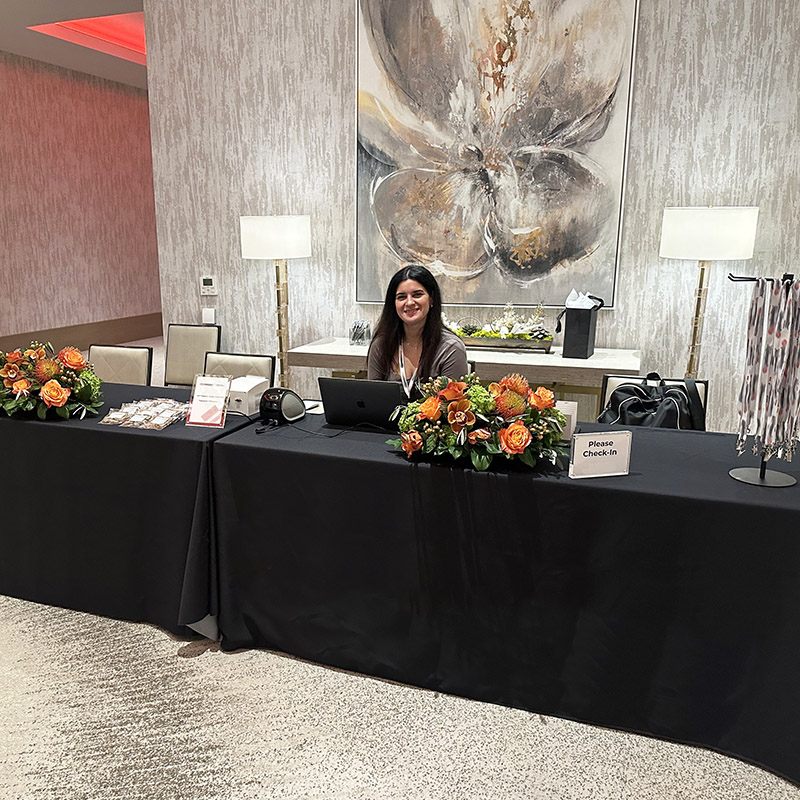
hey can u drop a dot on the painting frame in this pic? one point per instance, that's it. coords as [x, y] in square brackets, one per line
[391, 232]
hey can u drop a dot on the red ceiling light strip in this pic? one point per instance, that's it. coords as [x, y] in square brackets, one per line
[120, 35]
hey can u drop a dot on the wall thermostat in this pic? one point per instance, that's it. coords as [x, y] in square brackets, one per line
[208, 285]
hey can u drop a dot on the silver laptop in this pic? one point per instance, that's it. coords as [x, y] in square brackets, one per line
[349, 401]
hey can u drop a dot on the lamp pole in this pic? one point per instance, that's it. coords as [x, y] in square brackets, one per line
[282, 310]
[697, 321]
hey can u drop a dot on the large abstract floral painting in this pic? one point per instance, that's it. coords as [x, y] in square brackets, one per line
[491, 145]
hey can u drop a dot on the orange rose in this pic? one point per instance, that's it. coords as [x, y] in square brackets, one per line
[542, 398]
[38, 353]
[453, 391]
[21, 387]
[411, 442]
[71, 357]
[515, 438]
[14, 357]
[459, 416]
[9, 374]
[495, 389]
[479, 434]
[54, 394]
[430, 409]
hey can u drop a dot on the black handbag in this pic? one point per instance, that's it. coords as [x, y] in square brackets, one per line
[655, 406]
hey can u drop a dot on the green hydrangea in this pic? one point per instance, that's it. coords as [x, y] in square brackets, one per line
[408, 417]
[481, 399]
[88, 388]
[449, 436]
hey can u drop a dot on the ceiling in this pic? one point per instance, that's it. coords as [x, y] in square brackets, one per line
[16, 16]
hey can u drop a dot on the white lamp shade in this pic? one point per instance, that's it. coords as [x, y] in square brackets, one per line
[722, 233]
[276, 237]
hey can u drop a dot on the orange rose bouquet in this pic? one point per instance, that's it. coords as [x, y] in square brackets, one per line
[464, 419]
[39, 379]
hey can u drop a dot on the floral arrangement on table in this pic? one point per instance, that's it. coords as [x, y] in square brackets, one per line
[509, 327]
[38, 379]
[465, 419]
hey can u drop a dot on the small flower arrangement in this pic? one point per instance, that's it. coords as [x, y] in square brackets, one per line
[38, 379]
[508, 326]
[465, 419]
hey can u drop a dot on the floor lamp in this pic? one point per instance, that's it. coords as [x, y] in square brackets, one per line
[706, 234]
[278, 239]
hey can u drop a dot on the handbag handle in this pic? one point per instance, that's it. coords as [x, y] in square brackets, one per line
[696, 407]
[653, 377]
[600, 304]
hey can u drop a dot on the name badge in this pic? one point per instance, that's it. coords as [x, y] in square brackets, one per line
[600, 455]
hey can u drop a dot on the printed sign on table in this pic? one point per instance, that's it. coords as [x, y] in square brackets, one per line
[600, 455]
[209, 404]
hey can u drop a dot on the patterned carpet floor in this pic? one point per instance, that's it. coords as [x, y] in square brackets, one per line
[95, 708]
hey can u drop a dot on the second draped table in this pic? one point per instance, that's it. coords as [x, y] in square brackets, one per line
[662, 602]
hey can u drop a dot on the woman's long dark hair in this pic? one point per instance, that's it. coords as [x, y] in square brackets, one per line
[389, 330]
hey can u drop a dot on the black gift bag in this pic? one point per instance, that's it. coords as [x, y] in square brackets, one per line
[580, 327]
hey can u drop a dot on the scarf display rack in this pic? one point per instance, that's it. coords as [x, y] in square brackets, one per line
[769, 400]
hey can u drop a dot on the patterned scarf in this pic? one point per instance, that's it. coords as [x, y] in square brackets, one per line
[769, 400]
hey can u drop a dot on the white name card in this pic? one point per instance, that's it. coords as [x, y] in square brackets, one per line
[600, 455]
[569, 408]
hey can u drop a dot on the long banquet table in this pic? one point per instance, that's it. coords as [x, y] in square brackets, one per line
[664, 602]
[110, 520]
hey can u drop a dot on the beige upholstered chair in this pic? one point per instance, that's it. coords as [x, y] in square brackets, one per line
[122, 364]
[238, 364]
[187, 346]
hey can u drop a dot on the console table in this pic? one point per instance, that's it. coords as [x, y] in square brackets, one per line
[574, 375]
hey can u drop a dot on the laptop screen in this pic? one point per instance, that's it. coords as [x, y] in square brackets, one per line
[350, 401]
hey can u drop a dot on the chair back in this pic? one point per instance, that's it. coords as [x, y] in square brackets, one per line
[115, 363]
[238, 364]
[187, 346]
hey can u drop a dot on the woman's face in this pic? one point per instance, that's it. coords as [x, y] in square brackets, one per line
[412, 302]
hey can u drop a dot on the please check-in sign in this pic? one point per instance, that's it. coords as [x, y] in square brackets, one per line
[598, 455]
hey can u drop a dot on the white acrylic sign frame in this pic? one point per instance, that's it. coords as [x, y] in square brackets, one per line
[569, 408]
[209, 404]
[600, 455]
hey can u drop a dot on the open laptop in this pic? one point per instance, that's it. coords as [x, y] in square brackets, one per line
[350, 401]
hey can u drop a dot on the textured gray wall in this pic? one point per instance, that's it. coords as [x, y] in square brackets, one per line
[253, 112]
[77, 221]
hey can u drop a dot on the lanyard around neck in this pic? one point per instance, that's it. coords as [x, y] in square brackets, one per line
[408, 383]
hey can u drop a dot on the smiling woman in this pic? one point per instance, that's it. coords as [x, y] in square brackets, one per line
[410, 342]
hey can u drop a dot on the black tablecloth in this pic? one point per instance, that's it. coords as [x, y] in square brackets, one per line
[110, 520]
[663, 602]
